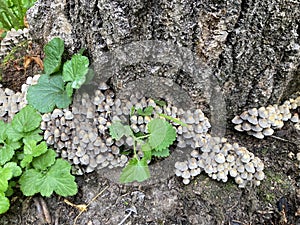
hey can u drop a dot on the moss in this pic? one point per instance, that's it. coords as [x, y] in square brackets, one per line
[273, 187]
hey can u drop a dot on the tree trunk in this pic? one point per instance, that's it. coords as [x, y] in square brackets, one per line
[250, 46]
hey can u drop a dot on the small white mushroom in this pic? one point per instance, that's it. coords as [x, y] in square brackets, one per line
[258, 135]
[186, 181]
[268, 131]
[252, 119]
[246, 126]
[250, 167]
[244, 115]
[220, 158]
[57, 113]
[182, 166]
[233, 172]
[253, 112]
[295, 118]
[259, 175]
[186, 174]
[256, 128]
[192, 163]
[178, 173]
[237, 120]
[68, 115]
[263, 112]
[263, 122]
[246, 158]
[238, 180]
[195, 172]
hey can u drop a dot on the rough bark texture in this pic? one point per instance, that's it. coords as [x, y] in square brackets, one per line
[251, 46]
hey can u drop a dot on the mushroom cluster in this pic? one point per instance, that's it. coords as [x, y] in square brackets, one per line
[220, 159]
[80, 133]
[191, 135]
[12, 102]
[261, 122]
[12, 38]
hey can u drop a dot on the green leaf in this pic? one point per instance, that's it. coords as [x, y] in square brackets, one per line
[48, 93]
[5, 175]
[75, 70]
[8, 151]
[146, 148]
[69, 89]
[30, 182]
[117, 130]
[162, 134]
[57, 179]
[53, 52]
[146, 112]
[173, 119]
[45, 160]
[160, 103]
[33, 135]
[15, 169]
[3, 128]
[164, 153]
[31, 149]
[28, 119]
[13, 135]
[4, 203]
[135, 170]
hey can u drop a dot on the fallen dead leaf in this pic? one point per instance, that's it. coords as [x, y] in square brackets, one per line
[29, 59]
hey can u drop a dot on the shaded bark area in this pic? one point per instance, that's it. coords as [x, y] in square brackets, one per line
[251, 46]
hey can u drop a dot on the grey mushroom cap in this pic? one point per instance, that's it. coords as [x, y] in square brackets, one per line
[237, 120]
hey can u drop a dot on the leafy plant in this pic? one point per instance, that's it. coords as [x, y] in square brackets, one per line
[12, 13]
[26, 161]
[156, 142]
[55, 86]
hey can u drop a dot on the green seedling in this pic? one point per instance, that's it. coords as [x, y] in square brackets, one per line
[27, 161]
[156, 142]
[59, 79]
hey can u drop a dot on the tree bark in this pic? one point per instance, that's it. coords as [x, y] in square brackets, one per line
[251, 46]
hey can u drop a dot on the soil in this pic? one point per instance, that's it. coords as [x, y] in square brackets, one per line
[14, 72]
[203, 201]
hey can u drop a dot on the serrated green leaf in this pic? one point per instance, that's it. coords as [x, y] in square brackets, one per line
[31, 149]
[146, 112]
[162, 153]
[60, 175]
[75, 70]
[45, 160]
[4, 204]
[57, 179]
[146, 148]
[5, 175]
[15, 169]
[162, 134]
[3, 128]
[175, 120]
[13, 135]
[8, 150]
[30, 182]
[28, 119]
[69, 89]
[136, 170]
[117, 130]
[33, 136]
[48, 93]
[53, 52]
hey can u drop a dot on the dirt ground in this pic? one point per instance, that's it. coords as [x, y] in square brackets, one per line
[203, 201]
